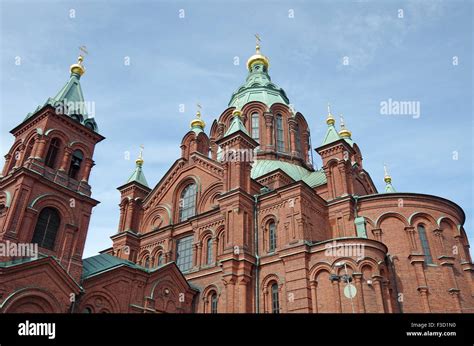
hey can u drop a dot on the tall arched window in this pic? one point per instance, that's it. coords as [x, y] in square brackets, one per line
[160, 260]
[76, 161]
[187, 202]
[209, 251]
[279, 133]
[147, 263]
[184, 253]
[214, 303]
[272, 240]
[46, 228]
[255, 127]
[275, 299]
[52, 154]
[424, 244]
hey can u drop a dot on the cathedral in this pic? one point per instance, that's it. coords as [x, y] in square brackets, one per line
[241, 222]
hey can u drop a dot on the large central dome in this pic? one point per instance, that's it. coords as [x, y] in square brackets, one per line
[258, 86]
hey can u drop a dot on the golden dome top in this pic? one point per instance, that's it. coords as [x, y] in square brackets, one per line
[78, 68]
[197, 122]
[330, 118]
[237, 112]
[139, 161]
[258, 57]
[343, 132]
[387, 178]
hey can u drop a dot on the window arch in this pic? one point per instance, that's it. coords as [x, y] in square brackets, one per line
[160, 260]
[255, 127]
[424, 244]
[213, 302]
[279, 133]
[275, 298]
[184, 253]
[53, 151]
[272, 237]
[146, 263]
[187, 202]
[46, 228]
[209, 251]
[76, 161]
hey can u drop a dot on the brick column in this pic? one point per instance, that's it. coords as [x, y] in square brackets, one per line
[66, 159]
[377, 284]
[360, 292]
[336, 290]
[293, 127]
[269, 130]
[87, 169]
[243, 281]
[417, 261]
[314, 298]
[410, 232]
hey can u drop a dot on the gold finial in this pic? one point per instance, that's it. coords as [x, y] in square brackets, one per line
[330, 118]
[387, 178]
[198, 122]
[258, 57]
[344, 133]
[139, 161]
[237, 111]
[257, 43]
[78, 68]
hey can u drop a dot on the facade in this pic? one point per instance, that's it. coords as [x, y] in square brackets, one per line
[241, 222]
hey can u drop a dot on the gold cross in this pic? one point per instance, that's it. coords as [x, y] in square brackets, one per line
[199, 107]
[258, 40]
[141, 151]
[83, 49]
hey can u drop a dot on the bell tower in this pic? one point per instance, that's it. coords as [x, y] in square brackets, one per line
[45, 196]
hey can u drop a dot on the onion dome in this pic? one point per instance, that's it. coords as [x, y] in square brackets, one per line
[78, 68]
[343, 132]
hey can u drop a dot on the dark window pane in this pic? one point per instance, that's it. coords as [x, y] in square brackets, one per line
[187, 203]
[184, 253]
[52, 154]
[424, 244]
[76, 161]
[272, 237]
[214, 303]
[47, 228]
[275, 299]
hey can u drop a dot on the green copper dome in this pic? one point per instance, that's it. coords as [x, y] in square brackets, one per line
[258, 87]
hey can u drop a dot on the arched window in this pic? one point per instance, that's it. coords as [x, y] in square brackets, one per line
[279, 133]
[214, 303]
[424, 244]
[272, 240]
[52, 154]
[275, 299]
[160, 260]
[255, 127]
[147, 263]
[187, 202]
[46, 228]
[209, 251]
[87, 311]
[76, 161]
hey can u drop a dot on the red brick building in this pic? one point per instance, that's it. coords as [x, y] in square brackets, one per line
[241, 222]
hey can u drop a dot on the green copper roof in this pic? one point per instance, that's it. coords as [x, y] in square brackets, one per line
[103, 262]
[262, 167]
[258, 87]
[70, 101]
[331, 135]
[138, 176]
[236, 125]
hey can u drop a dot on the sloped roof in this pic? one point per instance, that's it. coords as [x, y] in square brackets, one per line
[262, 167]
[138, 176]
[236, 125]
[103, 262]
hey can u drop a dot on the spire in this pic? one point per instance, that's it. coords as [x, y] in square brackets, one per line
[197, 124]
[343, 132]
[331, 133]
[138, 176]
[70, 99]
[388, 181]
[258, 57]
[236, 123]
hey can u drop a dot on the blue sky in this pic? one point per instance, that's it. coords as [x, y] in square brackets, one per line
[176, 61]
